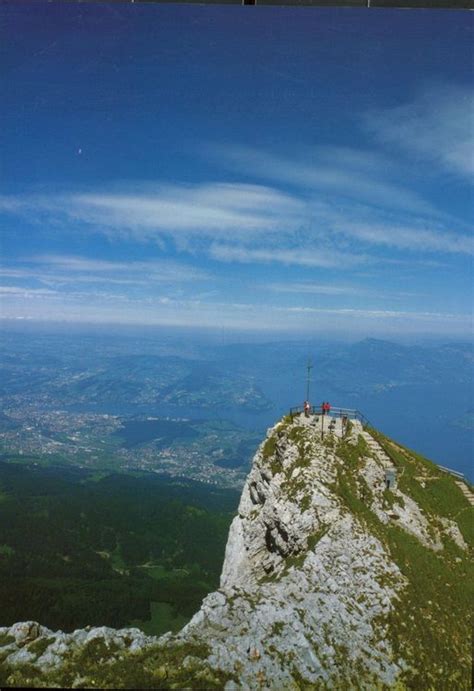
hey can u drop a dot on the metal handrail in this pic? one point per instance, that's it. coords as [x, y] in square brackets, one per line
[336, 411]
[354, 414]
[456, 473]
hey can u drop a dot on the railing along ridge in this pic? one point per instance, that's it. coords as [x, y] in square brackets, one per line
[335, 411]
[353, 413]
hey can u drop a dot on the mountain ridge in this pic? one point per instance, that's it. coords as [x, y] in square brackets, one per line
[330, 580]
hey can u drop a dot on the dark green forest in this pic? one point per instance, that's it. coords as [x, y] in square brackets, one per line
[79, 548]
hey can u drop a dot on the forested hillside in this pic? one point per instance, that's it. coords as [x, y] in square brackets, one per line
[80, 549]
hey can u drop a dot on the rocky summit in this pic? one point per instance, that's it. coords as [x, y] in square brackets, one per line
[347, 566]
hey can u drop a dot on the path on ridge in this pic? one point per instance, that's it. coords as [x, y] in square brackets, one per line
[334, 425]
[466, 491]
[375, 447]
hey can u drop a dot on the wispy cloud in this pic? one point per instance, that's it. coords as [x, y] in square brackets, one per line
[100, 269]
[243, 315]
[353, 195]
[309, 256]
[180, 211]
[436, 126]
[334, 289]
[407, 238]
[376, 313]
[374, 229]
[67, 270]
[305, 288]
[330, 207]
[362, 176]
[20, 291]
[244, 224]
[204, 209]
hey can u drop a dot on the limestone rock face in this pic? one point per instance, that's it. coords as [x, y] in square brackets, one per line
[309, 586]
[317, 586]
[304, 587]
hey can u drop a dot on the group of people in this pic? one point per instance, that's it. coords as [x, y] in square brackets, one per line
[325, 408]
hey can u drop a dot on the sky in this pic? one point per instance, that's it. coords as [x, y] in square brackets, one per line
[300, 170]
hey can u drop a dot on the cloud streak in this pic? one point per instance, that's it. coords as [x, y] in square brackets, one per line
[350, 174]
[436, 126]
[206, 210]
[328, 208]
[382, 230]
[20, 291]
[309, 257]
[69, 270]
[301, 288]
[164, 270]
[190, 312]
[238, 223]
[307, 288]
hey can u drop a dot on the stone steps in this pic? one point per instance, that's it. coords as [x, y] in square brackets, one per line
[466, 491]
[377, 449]
[382, 456]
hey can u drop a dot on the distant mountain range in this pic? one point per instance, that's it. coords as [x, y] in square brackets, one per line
[421, 394]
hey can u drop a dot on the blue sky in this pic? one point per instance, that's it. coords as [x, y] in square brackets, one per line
[296, 169]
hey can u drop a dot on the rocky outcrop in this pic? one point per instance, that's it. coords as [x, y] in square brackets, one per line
[305, 588]
[322, 571]
[28, 642]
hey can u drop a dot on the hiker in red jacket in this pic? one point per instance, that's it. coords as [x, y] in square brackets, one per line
[328, 408]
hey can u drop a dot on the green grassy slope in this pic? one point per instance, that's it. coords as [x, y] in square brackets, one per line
[430, 627]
